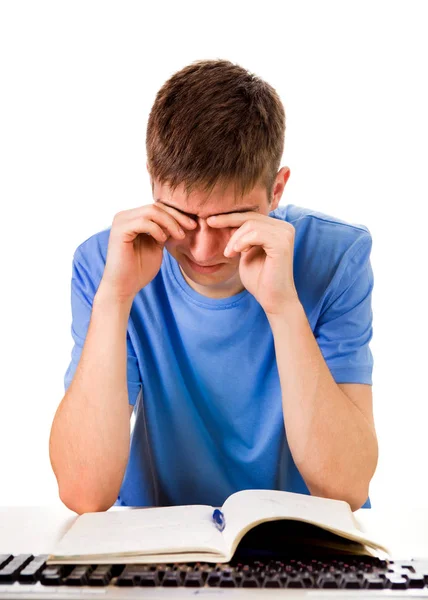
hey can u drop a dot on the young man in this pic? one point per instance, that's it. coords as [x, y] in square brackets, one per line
[242, 341]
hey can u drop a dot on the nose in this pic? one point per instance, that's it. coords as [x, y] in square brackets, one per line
[207, 243]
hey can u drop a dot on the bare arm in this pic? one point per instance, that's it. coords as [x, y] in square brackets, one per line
[332, 437]
[89, 441]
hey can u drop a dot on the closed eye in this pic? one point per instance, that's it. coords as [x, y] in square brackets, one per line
[195, 217]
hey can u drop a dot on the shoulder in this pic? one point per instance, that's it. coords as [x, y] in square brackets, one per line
[95, 245]
[91, 254]
[328, 252]
[318, 227]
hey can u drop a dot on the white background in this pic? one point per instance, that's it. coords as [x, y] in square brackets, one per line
[77, 81]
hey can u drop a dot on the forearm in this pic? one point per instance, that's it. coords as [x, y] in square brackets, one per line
[89, 441]
[333, 446]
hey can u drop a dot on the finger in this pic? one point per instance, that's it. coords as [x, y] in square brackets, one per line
[131, 228]
[159, 215]
[170, 219]
[170, 224]
[242, 244]
[184, 220]
[150, 220]
[155, 231]
[231, 219]
[238, 233]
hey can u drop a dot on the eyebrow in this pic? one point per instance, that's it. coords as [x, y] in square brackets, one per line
[240, 210]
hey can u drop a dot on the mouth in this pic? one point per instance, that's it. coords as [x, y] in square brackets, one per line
[204, 268]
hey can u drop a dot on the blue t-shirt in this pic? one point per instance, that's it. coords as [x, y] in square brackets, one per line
[202, 372]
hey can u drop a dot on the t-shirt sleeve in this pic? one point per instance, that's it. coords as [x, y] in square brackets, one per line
[83, 289]
[344, 328]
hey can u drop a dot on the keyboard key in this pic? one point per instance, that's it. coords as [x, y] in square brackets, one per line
[4, 559]
[327, 580]
[79, 575]
[308, 580]
[374, 582]
[351, 581]
[415, 580]
[396, 582]
[172, 578]
[228, 580]
[149, 579]
[295, 581]
[30, 573]
[213, 578]
[52, 575]
[249, 581]
[131, 575]
[10, 571]
[272, 581]
[194, 579]
[101, 575]
[126, 581]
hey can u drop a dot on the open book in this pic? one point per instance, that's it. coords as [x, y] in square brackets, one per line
[204, 533]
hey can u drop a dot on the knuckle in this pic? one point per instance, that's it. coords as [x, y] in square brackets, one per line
[160, 210]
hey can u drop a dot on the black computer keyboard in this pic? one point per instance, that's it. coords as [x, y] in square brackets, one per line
[340, 572]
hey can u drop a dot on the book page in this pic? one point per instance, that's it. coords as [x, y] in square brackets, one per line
[142, 530]
[250, 507]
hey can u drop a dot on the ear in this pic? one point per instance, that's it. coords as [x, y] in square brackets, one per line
[283, 175]
[278, 188]
[286, 174]
[150, 177]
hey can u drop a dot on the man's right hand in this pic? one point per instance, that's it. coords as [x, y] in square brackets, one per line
[133, 257]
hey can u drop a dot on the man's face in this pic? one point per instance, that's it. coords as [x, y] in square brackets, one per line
[204, 245]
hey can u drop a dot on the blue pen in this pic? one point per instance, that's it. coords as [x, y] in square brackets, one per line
[219, 520]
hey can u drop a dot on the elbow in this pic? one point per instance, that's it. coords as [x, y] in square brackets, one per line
[357, 503]
[355, 500]
[84, 502]
[354, 495]
[361, 491]
[344, 484]
[82, 494]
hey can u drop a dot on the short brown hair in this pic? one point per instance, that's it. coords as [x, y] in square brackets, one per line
[214, 122]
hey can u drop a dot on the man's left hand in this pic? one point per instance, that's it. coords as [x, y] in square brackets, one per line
[266, 246]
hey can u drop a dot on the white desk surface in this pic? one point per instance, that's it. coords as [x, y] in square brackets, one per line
[36, 529]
